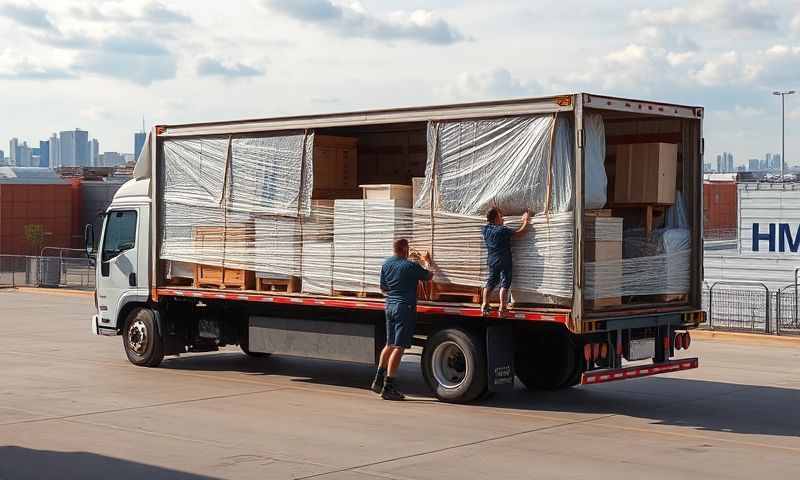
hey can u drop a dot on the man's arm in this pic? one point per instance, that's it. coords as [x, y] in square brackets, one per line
[525, 222]
[384, 287]
[426, 272]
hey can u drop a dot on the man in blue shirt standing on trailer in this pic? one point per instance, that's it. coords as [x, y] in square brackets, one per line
[399, 278]
[498, 249]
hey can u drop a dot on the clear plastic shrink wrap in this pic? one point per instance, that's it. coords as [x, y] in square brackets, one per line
[246, 203]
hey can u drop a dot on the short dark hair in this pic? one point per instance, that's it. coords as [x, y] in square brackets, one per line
[492, 214]
[400, 245]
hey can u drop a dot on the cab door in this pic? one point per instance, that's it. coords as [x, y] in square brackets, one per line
[118, 262]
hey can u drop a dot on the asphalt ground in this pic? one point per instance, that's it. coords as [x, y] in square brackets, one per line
[71, 406]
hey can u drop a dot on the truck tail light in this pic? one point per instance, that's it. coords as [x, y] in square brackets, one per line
[604, 351]
[595, 351]
[678, 341]
[587, 352]
[687, 340]
[666, 343]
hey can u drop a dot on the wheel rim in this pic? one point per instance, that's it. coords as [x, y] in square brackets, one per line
[450, 366]
[137, 337]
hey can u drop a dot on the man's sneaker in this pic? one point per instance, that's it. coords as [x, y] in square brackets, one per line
[377, 384]
[390, 393]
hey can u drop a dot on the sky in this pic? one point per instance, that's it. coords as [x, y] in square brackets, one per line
[104, 65]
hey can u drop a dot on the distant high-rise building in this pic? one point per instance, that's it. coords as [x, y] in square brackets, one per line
[55, 151]
[772, 162]
[110, 159]
[752, 165]
[94, 152]
[719, 163]
[138, 144]
[2, 157]
[74, 148]
[44, 153]
[23, 155]
[707, 168]
[13, 145]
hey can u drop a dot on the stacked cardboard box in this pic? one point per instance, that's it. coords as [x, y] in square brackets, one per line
[363, 233]
[277, 246]
[456, 246]
[335, 167]
[317, 274]
[603, 257]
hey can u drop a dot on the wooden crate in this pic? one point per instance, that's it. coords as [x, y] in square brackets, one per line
[289, 284]
[645, 173]
[222, 277]
[335, 165]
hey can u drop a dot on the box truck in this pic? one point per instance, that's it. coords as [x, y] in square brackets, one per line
[270, 234]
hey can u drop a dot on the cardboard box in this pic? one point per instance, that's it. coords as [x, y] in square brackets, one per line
[646, 173]
[335, 163]
[400, 193]
[603, 249]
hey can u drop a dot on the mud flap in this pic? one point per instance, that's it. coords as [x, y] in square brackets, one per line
[500, 358]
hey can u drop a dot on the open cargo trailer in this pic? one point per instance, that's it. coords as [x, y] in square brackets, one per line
[252, 212]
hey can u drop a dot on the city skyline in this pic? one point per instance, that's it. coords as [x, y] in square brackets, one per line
[104, 65]
[65, 148]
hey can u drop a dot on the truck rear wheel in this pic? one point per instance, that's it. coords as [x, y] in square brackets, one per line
[546, 360]
[454, 365]
[141, 338]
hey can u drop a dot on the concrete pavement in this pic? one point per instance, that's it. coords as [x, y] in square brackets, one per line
[71, 406]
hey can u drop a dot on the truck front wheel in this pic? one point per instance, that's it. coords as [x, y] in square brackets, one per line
[141, 338]
[454, 365]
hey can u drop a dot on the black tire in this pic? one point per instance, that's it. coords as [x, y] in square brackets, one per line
[546, 360]
[247, 352]
[141, 339]
[463, 355]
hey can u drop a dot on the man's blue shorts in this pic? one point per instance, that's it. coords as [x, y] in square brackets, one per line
[401, 320]
[499, 274]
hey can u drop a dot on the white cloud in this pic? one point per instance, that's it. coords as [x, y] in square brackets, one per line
[209, 67]
[488, 84]
[795, 25]
[737, 14]
[14, 66]
[351, 19]
[724, 69]
[680, 58]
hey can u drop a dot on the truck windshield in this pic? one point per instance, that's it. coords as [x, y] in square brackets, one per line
[120, 233]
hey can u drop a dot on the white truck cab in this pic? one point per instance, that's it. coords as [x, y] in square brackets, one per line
[122, 256]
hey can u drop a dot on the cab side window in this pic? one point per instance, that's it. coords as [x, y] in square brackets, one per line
[120, 233]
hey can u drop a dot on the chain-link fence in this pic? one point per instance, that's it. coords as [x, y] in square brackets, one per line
[46, 271]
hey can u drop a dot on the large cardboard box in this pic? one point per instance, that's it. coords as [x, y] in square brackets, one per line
[646, 173]
[400, 193]
[335, 165]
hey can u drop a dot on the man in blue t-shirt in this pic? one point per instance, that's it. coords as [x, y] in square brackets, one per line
[498, 249]
[399, 278]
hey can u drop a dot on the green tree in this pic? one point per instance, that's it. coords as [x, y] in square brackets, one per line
[34, 234]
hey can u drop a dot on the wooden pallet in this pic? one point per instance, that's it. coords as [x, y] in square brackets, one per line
[449, 291]
[288, 285]
[353, 293]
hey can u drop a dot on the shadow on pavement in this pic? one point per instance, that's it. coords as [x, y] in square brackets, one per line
[20, 463]
[699, 404]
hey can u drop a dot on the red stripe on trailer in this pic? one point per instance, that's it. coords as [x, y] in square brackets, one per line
[603, 376]
[360, 304]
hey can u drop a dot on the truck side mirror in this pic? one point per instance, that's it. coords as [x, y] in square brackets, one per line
[88, 241]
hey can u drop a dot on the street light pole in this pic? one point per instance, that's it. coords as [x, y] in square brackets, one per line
[783, 127]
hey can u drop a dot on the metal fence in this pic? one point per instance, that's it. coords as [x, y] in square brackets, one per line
[46, 271]
[752, 307]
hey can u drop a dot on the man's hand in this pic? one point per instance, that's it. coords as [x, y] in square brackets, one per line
[526, 217]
